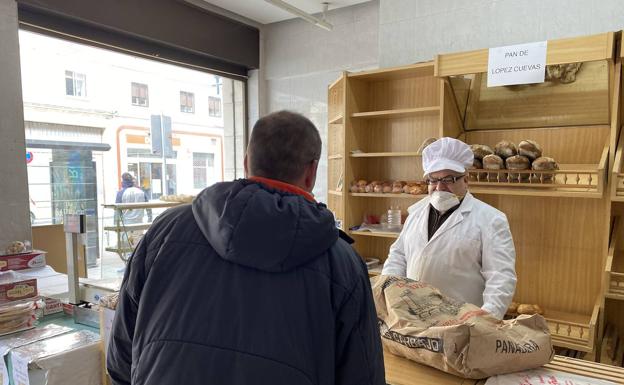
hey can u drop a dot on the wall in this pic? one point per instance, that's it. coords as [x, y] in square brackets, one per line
[301, 60]
[411, 31]
[15, 220]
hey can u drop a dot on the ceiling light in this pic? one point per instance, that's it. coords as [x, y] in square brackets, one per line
[304, 15]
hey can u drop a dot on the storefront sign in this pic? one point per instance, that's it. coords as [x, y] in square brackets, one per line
[517, 64]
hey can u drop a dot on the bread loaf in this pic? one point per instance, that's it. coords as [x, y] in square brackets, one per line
[480, 151]
[505, 149]
[530, 149]
[513, 308]
[477, 165]
[494, 162]
[544, 163]
[518, 162]
[529, 309]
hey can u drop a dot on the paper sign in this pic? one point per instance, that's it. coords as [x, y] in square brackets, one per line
[19, 366]
[517, 64]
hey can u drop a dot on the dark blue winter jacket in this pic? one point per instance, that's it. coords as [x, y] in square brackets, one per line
[248, 285]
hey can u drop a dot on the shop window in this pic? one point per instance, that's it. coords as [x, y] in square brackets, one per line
[201, 163]
[140, 95]
[187, 102]
[214, 106]
[75, 84]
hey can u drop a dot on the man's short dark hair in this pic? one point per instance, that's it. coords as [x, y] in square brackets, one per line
[282, 144]
[127, 177]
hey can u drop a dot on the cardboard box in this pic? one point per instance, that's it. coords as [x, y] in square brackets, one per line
[18, 290]
[68, 359]
[17, 340]
[52, 306]
[35, 258]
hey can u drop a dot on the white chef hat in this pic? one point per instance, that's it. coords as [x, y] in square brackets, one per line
[447, 154]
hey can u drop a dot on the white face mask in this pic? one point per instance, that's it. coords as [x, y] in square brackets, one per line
[443, 200]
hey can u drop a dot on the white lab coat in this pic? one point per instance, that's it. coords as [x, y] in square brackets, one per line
[471, 257]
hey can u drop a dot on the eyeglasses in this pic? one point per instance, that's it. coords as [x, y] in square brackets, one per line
[446, 180]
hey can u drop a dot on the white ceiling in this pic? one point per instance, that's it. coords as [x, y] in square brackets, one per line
[265, 13]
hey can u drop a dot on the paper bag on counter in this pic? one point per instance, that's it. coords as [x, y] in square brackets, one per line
[417, 322]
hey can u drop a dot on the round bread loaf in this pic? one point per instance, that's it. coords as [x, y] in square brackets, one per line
[480, 151]
[518, 162]
[526, 309]
[505, 149]
[477, 165]
[494, 162]
[544, 163]
[513, 308]
[530, 149]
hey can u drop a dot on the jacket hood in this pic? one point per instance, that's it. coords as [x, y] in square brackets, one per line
[251, 224]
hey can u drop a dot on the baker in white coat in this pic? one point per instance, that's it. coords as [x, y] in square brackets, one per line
[453, 241]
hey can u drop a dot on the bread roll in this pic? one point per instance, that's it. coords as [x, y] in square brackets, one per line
[477, 165]
[480, 151]
[371, 186]
[530, 149]
[518, 162]
[505, 149]
[494, 162]
[529, 309]
[378, 188]
[419, 188]
[513, 308]
[526, 309]
[387, 188]
[544, 163]
[354, 188]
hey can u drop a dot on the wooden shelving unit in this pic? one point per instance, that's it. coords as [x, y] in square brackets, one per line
[387, 114]
[336, 152]
[559, 220]
[384, 154]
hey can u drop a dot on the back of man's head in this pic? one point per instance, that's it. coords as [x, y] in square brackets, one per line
[282, 144]
[127, 177]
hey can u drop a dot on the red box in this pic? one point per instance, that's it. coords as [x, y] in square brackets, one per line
[18, 290]
[35, 258]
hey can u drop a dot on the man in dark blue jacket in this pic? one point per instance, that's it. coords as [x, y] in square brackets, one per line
[251, 284]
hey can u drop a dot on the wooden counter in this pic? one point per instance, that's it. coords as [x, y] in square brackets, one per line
[401, 371]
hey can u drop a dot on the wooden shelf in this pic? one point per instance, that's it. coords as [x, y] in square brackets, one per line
[334, 192]
[120, 249]
[332, 157]
[383, 154]
[129, 227]
[617, 191]
[573, 331]
[572, 180]
[336, 120]
[396, 73]
[614, 267]
[400, 113]
[571, 50]
[388, 195]
[141, 205]
[587, 368]
[381, 234]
